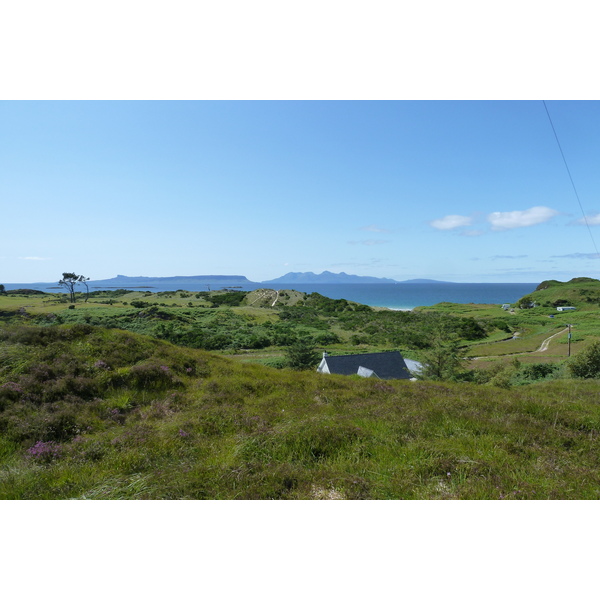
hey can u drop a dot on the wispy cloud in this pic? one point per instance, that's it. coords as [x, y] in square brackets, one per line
[589, 220]
[579, 256]
[375, 229]
[471, 232]
[451, 222]
[369, 242]
[507, 256]
[33, 258]
[501, 221]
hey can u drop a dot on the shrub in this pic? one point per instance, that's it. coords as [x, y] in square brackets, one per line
[10, 391]
[139, 304]
[325, 339]
[61, 427]
[587, 363]
[151, 375]
[539, 371]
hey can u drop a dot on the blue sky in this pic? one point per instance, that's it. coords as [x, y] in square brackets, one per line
[465, 191]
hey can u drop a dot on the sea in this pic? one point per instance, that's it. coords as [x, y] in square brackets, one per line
[397, 296]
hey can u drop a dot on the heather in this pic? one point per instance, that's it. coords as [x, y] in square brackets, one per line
[88, 412]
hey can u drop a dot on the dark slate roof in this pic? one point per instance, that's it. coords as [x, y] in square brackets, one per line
[386, 365]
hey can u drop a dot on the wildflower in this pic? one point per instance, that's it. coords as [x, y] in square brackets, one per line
[183, 433]
[45, 451]
[11, 386]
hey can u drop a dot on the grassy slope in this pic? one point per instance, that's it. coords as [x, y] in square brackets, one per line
[535, 324]
[121, 415]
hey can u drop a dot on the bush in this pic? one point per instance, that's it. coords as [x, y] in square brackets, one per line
[151, 375]
[587, 363]
[538, 371]
[325, 339]
[139, 304]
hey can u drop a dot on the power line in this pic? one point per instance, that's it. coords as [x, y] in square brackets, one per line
[572, 182]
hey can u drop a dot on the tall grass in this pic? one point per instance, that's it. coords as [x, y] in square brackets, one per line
[152, 420]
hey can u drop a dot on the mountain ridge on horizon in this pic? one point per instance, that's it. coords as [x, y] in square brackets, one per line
[327, 277]
[306, 277]
[291, 277]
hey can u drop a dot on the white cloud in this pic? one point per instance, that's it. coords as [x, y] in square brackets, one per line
[589, 220]
[370, 242]
[507, 256]
[579, 255]
[375, 229]
[501, 221]
[451, 222]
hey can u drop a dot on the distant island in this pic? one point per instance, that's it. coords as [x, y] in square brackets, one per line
[424, 281]
[124, 281]
[327, 277]
[223, 281]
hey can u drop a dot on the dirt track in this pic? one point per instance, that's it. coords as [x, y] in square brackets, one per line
[544, 346]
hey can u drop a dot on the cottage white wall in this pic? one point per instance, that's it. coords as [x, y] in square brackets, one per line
[364, 372]
[323, 367]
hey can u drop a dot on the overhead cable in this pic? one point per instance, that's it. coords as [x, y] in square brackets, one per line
[572, 182]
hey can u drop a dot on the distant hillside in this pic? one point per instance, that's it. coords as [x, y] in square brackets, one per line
[424, 281]
[327, 277]
[577, 292]
[124, 281]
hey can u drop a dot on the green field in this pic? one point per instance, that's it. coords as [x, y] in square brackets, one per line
[129, 395]
[258, 326]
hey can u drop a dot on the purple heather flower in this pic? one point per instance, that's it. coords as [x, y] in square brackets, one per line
[44, 450]
[12, 386]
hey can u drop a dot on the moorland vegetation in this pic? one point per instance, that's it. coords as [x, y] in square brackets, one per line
[203, 395]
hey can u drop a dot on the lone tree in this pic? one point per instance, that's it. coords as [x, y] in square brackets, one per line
[70, 280]
[301, 355]
[84, 280]
[445, 358]
[2, 290]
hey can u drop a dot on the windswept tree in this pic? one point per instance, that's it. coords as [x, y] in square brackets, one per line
[70, 280]
[2, 290]
[84, 280]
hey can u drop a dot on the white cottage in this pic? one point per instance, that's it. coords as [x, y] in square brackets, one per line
[383, 365]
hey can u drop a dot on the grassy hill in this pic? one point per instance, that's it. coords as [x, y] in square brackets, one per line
[261, 322]
[96, 413]
[581, 292]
